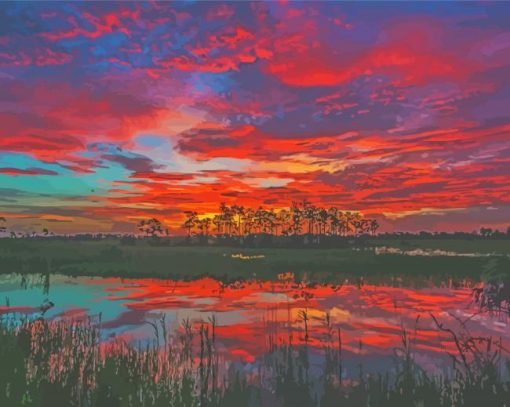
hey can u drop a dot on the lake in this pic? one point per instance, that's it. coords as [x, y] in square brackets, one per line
[371, 319]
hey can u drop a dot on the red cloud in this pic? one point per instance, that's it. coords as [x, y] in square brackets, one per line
[325, 67]
[40, 145]
[102, 24]
[221, 51]
[28, 171]
[65, 119]
[409, 54]
[36, 56]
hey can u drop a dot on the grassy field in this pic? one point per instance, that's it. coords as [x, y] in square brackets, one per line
[474, 245]
[111, 257]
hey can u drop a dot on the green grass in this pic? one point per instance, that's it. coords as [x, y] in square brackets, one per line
[145, 259]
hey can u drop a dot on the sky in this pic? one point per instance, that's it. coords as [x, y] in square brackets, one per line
[115, 112]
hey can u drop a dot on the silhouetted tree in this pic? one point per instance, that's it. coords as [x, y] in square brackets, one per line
[374, 225]
[238, 211]
[319, 221]
[296, 218]
[322, 219]
[247, 220]
[259, 219]
[486, 232]
[189, 223]
[227, 218]
[203, 226]
[151, 227]
[217, 223]
[283, 219]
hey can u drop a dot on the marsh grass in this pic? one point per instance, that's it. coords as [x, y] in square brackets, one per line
[65, 363]
[478, 375]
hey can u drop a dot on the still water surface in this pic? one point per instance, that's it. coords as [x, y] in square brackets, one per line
[371, 318]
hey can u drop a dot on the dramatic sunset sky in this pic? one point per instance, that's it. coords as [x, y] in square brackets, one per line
[113, 112]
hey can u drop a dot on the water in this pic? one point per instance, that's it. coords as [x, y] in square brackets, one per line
[371, 318]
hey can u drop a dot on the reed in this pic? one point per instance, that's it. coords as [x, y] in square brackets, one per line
[65, 363]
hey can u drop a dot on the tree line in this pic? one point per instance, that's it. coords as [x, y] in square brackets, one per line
[13, 234]
[239, 221]
[301, 218]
